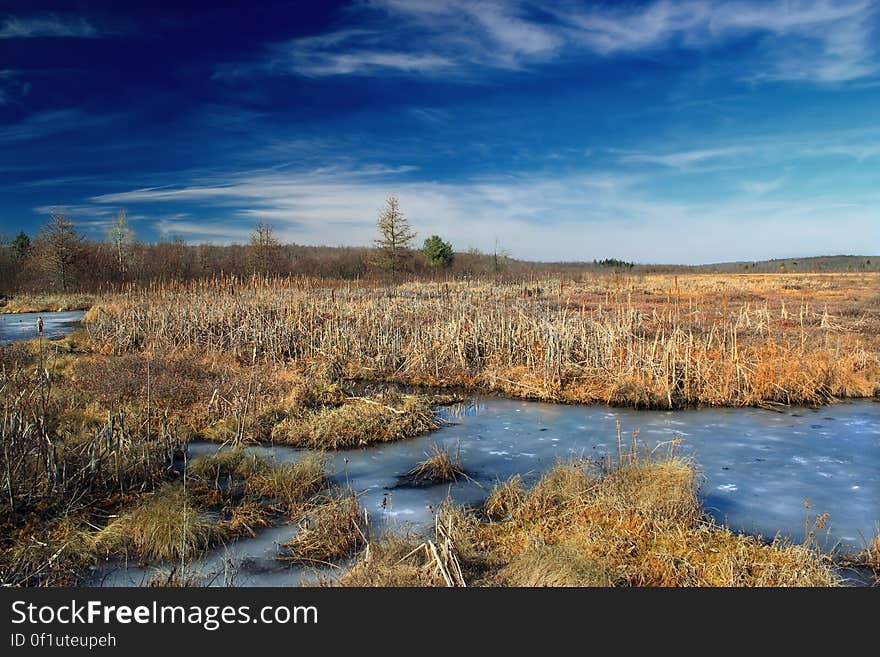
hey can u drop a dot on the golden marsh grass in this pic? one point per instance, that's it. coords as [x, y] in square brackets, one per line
[647, 341]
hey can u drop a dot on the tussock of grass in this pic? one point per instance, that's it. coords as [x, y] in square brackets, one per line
[256, 489]
[563, 564]
[163, 527]
[231, 494]
[227, 464]
[504, 498]
[358, 422]
[867, 560]
[563, 485]
[440, 467]
[642, 521]
[332, 530]
[321, 384]
[661, 489]
[244, 519]
[289, 485]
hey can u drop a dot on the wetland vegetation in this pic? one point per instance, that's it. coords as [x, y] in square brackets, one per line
[96, 424]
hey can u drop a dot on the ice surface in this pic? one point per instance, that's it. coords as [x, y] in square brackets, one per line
[23, 326]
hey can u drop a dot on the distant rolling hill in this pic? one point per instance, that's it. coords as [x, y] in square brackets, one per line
[835, 263]
[812, 264]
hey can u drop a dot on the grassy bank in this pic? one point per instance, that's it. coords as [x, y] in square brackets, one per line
[41, 303]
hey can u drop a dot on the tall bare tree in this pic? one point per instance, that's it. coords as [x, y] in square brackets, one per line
[60, 247]
[395, 235]
[499, 258]
[265, 248]
[121, 239]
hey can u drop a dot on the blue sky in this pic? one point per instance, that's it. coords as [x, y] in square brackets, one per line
[657, 131]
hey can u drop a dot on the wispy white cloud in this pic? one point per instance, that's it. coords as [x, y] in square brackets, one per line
[350, 52]
[41, 124]
[858, 151]
[686, 159]
[812, 40]
[48, 26]
[415, 37]
[491, 33]
[47, 124]
[762, 187]
[180, 225]
[857, 145]
[76, 210]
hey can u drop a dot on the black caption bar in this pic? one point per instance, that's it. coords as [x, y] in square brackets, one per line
[234, 620]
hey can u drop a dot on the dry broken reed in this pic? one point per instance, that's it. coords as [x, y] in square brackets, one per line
[404, 560]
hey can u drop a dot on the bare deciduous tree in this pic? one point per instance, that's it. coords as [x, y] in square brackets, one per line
[121, 239]
[265, 248]
[60, 248]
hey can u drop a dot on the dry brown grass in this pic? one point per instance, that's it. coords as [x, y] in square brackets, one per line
[637, 523]
[69, 461]
[166, 526]
[440, 467]
[227, 464]
[289, 485]
[332, 530]
[867, 561]
[357, 422]
[37, 303]
[94, 434]
[251, 492]
[872, 558]
[654, 341]
[505, 497]
[245, 519]
[562, 564]
[404, 560]
[56, 553]
[642, 523]
[392, 560]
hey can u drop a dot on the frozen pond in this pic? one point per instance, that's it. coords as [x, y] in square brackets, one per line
[757, 468]
[23, 326]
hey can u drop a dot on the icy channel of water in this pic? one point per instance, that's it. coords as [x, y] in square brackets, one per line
[757, 469]
[23, 326]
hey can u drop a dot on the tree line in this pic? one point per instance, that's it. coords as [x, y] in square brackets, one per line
[59, 258]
